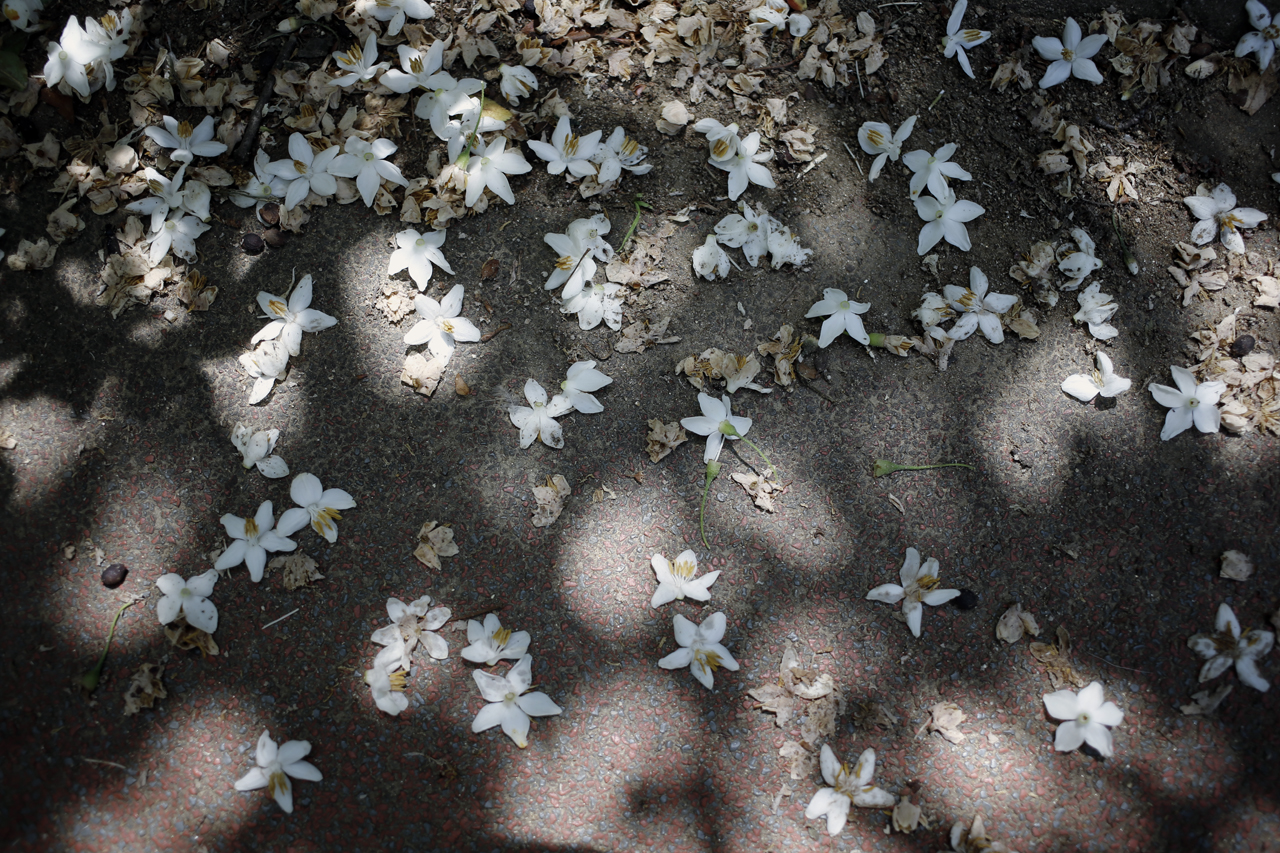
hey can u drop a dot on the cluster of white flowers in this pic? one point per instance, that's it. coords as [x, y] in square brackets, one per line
[582, 244]
[282, 337]
[973, 307]
[538, 419]
[753, 231]
[80, 61]
[586, 156]
[773, 15]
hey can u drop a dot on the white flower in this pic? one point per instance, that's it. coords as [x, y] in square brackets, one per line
[678, 581]
[171, 195]
[958, 40]
[187, 142]
[306, 171]
[843, 317]
[748, 231]
[253, 539]
[439, 326]
[387, 682]
[517, 82]
[256, 449]
[919, 587]
[68, 57]
[977, 308]
[191, 599]
[709, 260]
[275, 766]
[799, 25]
[178, 233]
[113, 35]
[23, 14]
[1069, 56]
[1217, 212]
[932, 170]
[848, 788]
[509, 705]
[1266, 35]
[945, 217]
[1096, 308]
[490, 169]
[878, 138]
[745, 166]
[291, 319]
[266, 364]
[717, 423]
[539, 421]
[581, 380]
[396, 11]
[359, 64]
[582, 240]
[1079, 264]
[596, 303]
[417, 253]
[1087, 716]
[723, 139]
[446, 96]
[316, 504]
[620, 152]
[262, 186]
[1086, 386]
[784, 248]
[933, 310]
[1189, 403]
[412, 624]
[421, 71]
[567, 151]
[366, 162]
[1226, 647]
[700, 648]
[491, 642]
[769, 15]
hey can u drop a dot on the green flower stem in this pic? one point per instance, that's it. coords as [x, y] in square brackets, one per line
[884, 467]
[728, 429]
[638, 202]
[713, 471]
[89, 681]
[465, 156]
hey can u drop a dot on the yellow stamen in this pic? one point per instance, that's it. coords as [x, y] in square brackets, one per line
[185, 130]
[501, 636]
[250, 528]
[720, 149]
[684, 569]
[277, 783]
[398, 680]
[875, 138]
[277, 307]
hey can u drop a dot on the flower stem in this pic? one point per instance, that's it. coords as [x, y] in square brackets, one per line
[465, 156]
[1130, 262]
[713, 471]
[89, 681]
[729, 429]
[884, 467]
[638, 202]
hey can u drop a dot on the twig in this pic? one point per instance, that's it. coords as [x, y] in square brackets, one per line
[471, 614]
[282, 618]
[107, 763]
[858, 71]
[244, 152]
[854, 158]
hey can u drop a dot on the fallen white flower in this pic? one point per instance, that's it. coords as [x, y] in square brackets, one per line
[700, 648]
[945, 217]
[677, 581]
[292, 319]
[1087, 716]
[1069, 56]
[257, 447]
[581, 380]
[709, 260]
[978, 309]
[439, 326]
[1265, 37]
[958, 41]
[190, 598]
[490, 642]
[848, 788]
[275, 766]
[537, 420]
[1086, 386]
[844, 317]
[510, 705]
[919, 587]
[1189, 403]
[878, 138]
[1096, 308]
[717, 423]
[317, 505]
[1217, 213]
[416, 253]
[1228, 646]
[253, 538]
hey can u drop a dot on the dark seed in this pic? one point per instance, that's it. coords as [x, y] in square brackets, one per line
[252, 244]
[966, 600]
[270, 213]
[275, 238]
[1242, 346]
[114, 575]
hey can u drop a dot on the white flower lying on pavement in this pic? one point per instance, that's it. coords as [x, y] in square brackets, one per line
[1080, 263]
[1087, 716]
[439, 326]
[253, 538]
[748, 231]
[291, 319]
[945, 217]
[843, 317]
[582, 242]
[1266, 35]
[367, 163]
[567, 151]
[387, 682]
[190, 598]
[709, 260]
[1217, 213]
[919, 587]
[723, 139]
[581, 380]
[878, 138]
[257, 447]
[490, 642]
[359, 64]
[276, 765]
[68, 57]
[1189, 403]
[784, 248]
[394, 12]
[1086, 386]
[179, 234]
[958, 41]
[933, 310]
[170, 195]
[717, 423]
[419, 70]
[517, 82]
[677, 581]
[317, 505]
[266, 364]
[1226, 647]
[537, 420]
[1069, 56]
[620, 152]
[187, 142]
[510, 706]
[932, 170]
[490, 167]
[700, 648]
[262, 186]
[848, 788]
[598, 302]
[978, 309]
[746, 166]
[305, 170]
[1096, 308]
[416, 253]
[411, 625]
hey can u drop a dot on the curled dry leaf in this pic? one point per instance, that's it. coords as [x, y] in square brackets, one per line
[433, 543]
[32, 256]
[422, 374]
[945, 717]
[7, 439]
[550, 500]
[396, 302]
[663, 438]
[1268, 291]
[186, 637]
[761, 489]
[906, 815]
[1014, 623]
[1056, 658]
[1206, 701]
[144, 689]
[1236, 566]
[299, 570]
[785, 347]
[803, 763]
[643, 334]
[461, 388]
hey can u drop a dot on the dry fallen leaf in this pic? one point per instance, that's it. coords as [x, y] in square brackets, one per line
[897, 504]
[804, 764]
[299, 570]
[944, 719]
[489, 269]
[906, 815]
[784, 791]
[1206, 701]
[461, 387]
[421, 374]
[663, 438]
[761, 489]
[1057, 660]
[7, 439]
[433, 543]
[643, 334]
[187, 637]
[550, 500]
[1014, 623]
[1236, 566]
[144, 689]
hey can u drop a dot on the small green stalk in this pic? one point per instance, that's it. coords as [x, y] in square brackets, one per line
[884, 467]
[638, 203]
[89, 681]
[1130, 261]
[465, 156]
[729, 429]
[713, 471]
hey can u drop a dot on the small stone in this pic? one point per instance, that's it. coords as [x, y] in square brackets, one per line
[270, 213]
[966, 600]
[252, 244]
[275, 238]
[1242, 346]
[114, 575]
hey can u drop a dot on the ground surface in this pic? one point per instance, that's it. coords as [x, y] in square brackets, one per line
[1081, 513]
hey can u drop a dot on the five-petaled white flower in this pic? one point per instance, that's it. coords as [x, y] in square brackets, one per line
[517, 82]
[709, 260]
[700, 648]
[1086, 386]
[490, 642]
[1226, 647]
[266, 364]
[748, 231]
[932, 170]
[568, 151]
[189, 598]
[293, 318]
[305, 170]
[878, 138]
[920, 586]
[187, 142]
[677, 581]
[510, 706]
[387, 682]
[262, 185]
[848, 788]
[68, 57]
[945, 217]
[439, 326]
[1189, 403]
[977, 308]
[276, 765]
[581, 380]
[1087, 719]
[582, 241]
[23, 14]
[359, 64]
[421, 70]
[537, 420]
[417, 253]
[1096, 308]
[1266, 36]
[413, 624]
[366, 162]
[746, 166]
[958, 41]
[844, 317]
[395, 12]
[1217, 213]
[1070, 55]
[620, 152]
[717, 423]
[490, 167]
[315, 504]
[257, 447]
[178, 234]
[599, 302]
[253, 538]
[170, 195]
[1080, 263]
[723, 139]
